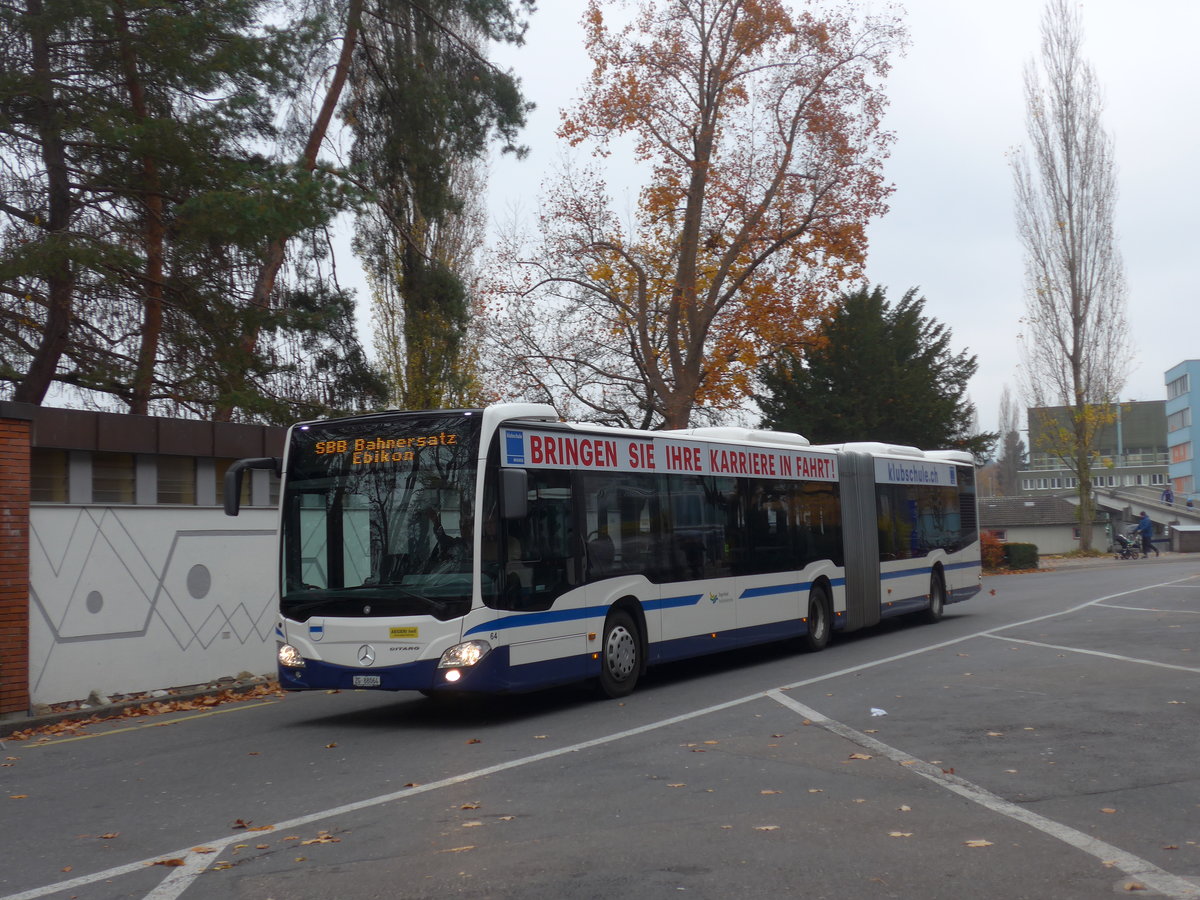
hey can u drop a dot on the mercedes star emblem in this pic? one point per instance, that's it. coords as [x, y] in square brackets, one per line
[366, 655]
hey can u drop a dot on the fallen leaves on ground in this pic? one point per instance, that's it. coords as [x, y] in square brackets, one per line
[977, 843]
[323, 837]
[176, 861]
[766, 827]
[150, 707]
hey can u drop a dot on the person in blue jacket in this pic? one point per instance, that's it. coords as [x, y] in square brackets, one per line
[1146, 530]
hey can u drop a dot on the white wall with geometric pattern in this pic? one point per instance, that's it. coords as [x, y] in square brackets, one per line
[126, 599]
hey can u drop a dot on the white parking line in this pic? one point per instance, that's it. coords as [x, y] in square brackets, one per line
[1116, 656]
[1194, 612]
[180, 877]
[1143, 870]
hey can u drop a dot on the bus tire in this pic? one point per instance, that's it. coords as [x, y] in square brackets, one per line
[620, 655]
[937, 599]
[820, 620]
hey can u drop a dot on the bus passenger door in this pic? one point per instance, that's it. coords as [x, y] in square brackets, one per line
[699, 597]
[541, 577]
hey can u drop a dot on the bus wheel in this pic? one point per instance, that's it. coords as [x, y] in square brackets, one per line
[937, 599]
[820, 620]
[621, 658]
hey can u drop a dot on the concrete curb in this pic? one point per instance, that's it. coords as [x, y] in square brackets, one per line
[11, 725]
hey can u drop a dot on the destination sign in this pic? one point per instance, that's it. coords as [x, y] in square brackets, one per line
[364, 451]
[558, 450]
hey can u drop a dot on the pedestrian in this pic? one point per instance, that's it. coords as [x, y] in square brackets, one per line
[1190, 503]
[1168, 495]
[1145, 528]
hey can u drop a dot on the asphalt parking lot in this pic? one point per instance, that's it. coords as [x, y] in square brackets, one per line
[1039, 741]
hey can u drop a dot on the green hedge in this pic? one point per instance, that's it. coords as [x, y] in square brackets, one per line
[1021, 556]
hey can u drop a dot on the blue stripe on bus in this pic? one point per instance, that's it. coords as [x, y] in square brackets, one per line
[775, 589]
[772, 589]
[520, 620]
[673, 602]
[925, 570]
[545, 617]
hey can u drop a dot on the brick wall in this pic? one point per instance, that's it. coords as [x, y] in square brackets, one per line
[14, 565]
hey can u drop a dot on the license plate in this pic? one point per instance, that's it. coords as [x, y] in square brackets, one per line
[366, 681]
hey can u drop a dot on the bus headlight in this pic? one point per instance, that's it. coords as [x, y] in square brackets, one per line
[289, 657]
[465, 654]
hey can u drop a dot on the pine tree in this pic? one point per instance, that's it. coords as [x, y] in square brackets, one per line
[876, 372]
[137, 194]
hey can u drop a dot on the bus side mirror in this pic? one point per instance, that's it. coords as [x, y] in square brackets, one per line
[514, 493]
[233, 479]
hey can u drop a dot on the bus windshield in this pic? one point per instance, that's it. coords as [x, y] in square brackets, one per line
[377, 517]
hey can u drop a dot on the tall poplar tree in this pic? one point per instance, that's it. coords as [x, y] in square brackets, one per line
[424, 106]
[1076, 350]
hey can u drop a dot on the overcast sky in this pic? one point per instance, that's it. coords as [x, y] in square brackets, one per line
[956, 110]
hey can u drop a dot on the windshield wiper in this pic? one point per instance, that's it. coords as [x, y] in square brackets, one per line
[385, 593]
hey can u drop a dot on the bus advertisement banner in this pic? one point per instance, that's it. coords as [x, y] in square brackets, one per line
[912, 471]
[613, 453]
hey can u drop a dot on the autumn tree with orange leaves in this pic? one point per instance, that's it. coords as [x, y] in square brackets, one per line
[758, 132]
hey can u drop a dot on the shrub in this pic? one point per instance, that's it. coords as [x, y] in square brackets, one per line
[991, 550]
[1021, 556]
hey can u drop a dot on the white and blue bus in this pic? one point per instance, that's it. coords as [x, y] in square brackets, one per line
[499, 549]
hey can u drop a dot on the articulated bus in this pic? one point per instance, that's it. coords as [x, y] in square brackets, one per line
[502, 550]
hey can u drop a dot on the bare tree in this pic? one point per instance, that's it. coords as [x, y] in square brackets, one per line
[1075, 350]
[758, 131]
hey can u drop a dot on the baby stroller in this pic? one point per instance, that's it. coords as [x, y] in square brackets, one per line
[1126, 546]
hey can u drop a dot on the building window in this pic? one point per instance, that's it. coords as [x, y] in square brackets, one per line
[1158, 478]
[1181, 452]
[177, 480]
[113, 478]
[1178, 420]
[1178, 387]
[222, 466]
[48, 478]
